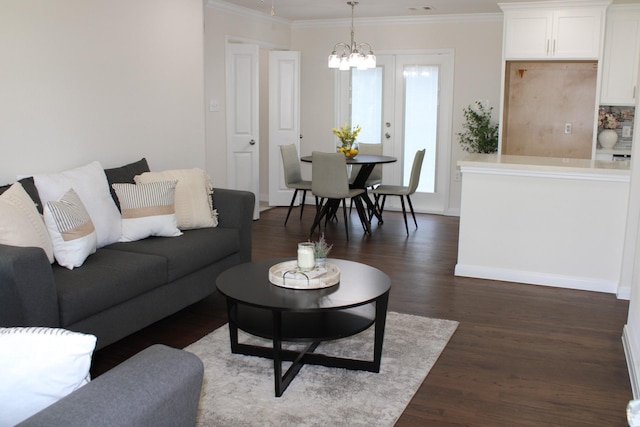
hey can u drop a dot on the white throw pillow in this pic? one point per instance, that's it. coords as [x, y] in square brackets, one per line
[71, 230]
[20, 222]
[194, 208]
[39, 366]
[147, 210]
[90, 183]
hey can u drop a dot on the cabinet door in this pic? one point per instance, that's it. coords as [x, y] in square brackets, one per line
[576, 33]
[621, 54]
[527, 34]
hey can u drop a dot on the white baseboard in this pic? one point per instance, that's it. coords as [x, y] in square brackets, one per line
[631, 360]
[536, 278]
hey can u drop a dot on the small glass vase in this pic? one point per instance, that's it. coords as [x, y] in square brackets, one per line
[350, 150]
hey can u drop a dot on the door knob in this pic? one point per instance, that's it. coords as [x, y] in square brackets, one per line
[252, 142]
[387, 135]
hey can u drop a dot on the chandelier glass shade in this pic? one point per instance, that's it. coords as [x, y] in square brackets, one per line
[352, 55]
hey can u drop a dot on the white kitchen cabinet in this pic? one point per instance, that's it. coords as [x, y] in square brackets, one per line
[553, 30]
[621, 56]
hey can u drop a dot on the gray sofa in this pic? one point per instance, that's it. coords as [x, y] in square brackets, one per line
[158, 387]
[125, 287]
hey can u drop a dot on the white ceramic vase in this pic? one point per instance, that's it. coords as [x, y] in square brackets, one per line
[608, 138]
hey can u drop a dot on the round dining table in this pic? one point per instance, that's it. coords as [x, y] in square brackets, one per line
[366, 162]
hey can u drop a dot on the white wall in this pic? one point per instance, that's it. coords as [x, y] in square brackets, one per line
[113, 81]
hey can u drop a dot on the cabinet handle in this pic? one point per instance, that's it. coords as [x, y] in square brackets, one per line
[547, 47]
[553, 52]
[634, 91]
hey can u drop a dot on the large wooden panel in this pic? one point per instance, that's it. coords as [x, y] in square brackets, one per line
[540, 99]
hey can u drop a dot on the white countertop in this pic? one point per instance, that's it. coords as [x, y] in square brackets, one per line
[552, 165]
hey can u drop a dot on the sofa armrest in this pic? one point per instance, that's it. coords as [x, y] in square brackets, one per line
[160, 386]
[235, 210]
[28, 295]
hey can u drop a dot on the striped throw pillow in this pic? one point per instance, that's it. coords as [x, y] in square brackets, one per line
[147, 210]
[72, 232]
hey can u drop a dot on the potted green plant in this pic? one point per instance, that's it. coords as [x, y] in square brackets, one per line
[321, 250]
[480, 135]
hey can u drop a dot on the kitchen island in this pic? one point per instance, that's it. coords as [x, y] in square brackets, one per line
[544, 221]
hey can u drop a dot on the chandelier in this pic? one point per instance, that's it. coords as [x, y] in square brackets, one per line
[358, 55]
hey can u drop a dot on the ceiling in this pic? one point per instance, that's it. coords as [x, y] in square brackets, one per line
[295, 10]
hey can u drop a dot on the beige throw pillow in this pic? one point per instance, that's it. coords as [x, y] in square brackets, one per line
[20, 222]
[193, 203]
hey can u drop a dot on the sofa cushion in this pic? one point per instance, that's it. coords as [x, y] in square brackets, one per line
[124, 175]
[30, 187]
[194, 204]
[106, 279]
[90, 183]
[39, 366]
[72, 232]
[192, 251]
[147, 210]
[20, 222]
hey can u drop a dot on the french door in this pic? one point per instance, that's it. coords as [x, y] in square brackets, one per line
[405, 104]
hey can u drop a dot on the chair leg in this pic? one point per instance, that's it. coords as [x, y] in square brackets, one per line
[304, 196]
[404, 214]
[362, 213]
[293, 199]
[412, 213]
[381, 206]
[321, 210]
[344, 213]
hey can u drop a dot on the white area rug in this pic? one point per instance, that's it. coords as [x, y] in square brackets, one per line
[239, 390]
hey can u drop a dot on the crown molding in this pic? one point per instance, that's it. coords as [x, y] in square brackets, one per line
[246, 12]
[346, 22]
[399, 20]
[554, 4]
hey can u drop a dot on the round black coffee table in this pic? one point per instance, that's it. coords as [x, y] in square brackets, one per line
[260, 308]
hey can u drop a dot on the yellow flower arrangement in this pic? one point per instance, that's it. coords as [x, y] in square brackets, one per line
[347, 137]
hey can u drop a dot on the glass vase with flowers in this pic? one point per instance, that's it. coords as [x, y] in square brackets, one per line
[347, 136]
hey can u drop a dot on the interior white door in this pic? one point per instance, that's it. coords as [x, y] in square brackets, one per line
[243, 162]
[284, 119]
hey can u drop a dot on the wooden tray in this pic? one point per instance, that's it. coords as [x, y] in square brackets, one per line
[287, 275]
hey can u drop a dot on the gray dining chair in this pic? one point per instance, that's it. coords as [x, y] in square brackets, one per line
[401, 190]
[293, 176]
[375, 178]
[330, 183]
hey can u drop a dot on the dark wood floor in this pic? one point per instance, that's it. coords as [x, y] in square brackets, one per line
[523, 355]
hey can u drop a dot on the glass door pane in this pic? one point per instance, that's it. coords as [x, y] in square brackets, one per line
[366, 104]
[421, 122]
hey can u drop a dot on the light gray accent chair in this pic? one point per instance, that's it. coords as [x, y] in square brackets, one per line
[158, 387]
[293, 176]
[330, 183]
[402, 191]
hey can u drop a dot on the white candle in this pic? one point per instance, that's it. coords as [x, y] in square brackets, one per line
[306, 257]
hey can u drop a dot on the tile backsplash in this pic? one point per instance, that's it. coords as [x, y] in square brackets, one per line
[625, 117]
